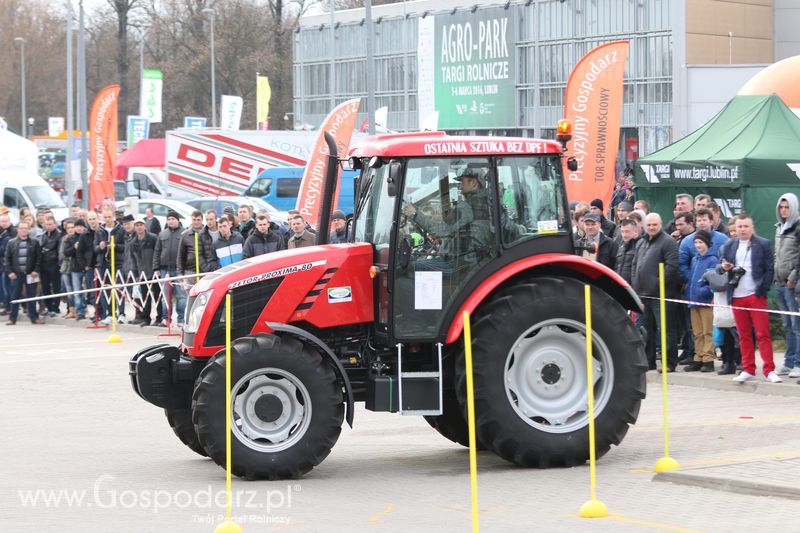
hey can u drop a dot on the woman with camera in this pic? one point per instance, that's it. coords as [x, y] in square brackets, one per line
[749, 262]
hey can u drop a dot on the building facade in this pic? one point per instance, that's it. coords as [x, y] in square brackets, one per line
[502, 68]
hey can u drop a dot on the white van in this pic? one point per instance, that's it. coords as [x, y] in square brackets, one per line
[21, 189]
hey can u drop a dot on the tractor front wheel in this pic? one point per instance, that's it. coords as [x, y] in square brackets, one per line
[530, 375]
[180, 420]
[286, 406]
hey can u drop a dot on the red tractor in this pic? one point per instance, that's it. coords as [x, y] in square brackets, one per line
[442, 224]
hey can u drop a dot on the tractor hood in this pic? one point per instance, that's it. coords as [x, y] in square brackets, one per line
[276, 264]
[326, 286]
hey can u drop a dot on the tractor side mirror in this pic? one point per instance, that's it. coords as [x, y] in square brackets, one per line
[395, 170]
[572, 164]
[404, 253]
[348, 229]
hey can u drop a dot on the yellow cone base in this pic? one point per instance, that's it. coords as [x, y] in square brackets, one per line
[666, 463]
[114, 338]
[593, 509]
[228, 527]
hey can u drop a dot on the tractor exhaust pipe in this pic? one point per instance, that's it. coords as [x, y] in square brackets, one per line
[330, 187]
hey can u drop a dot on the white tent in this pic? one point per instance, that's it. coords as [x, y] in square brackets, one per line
[18, 153]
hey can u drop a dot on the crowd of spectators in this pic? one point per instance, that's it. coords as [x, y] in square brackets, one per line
[718, 274]
[40, 257]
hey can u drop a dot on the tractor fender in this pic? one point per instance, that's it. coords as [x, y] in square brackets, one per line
[332, 359]
[560, 265]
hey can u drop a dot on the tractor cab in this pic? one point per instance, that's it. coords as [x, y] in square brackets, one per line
[443, 214]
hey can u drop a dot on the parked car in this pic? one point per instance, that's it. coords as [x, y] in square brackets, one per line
[160, 208]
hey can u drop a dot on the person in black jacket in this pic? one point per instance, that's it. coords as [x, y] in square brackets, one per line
[263, 240]
[7, 232]
[151, 222]
[606, 253]
[165, 262]
[629, 232]
[143, 247]
[77, 266]
[654, 248]
[208, 235]
[86, 250]
[246, 221]
[102, 251]
[338, 228]
[186, 263]
[608, 227]
[23, 261]
[50, 240]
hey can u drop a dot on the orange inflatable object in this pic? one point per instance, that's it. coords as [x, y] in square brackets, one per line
[781, 78]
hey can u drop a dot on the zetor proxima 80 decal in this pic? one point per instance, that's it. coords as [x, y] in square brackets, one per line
[442, 225]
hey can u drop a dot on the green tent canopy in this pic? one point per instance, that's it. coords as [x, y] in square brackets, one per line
[745, 158]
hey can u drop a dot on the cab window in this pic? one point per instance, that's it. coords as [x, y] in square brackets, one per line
[531, 197]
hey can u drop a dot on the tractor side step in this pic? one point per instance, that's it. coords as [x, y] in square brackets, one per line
[419, 393]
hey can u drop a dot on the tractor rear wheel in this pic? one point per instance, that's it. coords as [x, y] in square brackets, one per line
[529, 367]
[286, 406]
[452, 424]
[180, 420]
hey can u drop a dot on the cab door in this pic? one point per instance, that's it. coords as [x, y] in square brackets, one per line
[375, 225]
[446, 234]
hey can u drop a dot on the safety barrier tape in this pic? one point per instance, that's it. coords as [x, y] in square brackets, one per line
[173, 280]
[732, 307]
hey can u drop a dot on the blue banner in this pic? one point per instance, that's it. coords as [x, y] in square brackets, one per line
[194, 122]
[138, 129]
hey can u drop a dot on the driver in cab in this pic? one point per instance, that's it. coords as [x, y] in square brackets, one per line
[464, 227]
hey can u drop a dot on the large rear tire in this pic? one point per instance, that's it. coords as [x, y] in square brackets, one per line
[286, 404]
[180, 420]
[529, 366]
[452, 424]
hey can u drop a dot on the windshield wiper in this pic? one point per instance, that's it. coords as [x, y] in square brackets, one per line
[363, 200]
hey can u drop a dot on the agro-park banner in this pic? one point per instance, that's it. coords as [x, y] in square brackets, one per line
[465, 64]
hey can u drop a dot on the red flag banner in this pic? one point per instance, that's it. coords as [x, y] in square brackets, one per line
[103, 149]
[340, 123]
[593, 103]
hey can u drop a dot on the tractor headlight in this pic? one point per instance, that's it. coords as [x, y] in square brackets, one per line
[196, 313]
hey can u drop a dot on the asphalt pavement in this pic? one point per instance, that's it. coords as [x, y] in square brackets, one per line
[84, 453]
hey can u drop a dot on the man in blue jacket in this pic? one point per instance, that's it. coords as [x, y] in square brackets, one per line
[749, 262]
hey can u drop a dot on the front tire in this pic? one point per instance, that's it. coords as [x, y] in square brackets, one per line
[180, 420]
[286, 406]
[529, 366]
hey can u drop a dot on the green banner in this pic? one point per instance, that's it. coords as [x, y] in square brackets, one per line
[474, 69]
[150, 97]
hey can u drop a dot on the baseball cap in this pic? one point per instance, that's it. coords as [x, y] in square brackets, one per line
[589, 217]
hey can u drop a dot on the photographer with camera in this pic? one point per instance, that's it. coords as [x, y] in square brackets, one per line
[749, 262]
[595, 245]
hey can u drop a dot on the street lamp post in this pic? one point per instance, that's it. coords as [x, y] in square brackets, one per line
[22, 114]
[141, 69]
[83, 120]
[210, 13]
